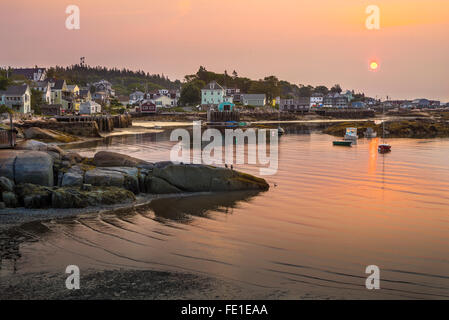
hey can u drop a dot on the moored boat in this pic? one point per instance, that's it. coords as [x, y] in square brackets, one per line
[351, 134]
[370, 133]
[342, 143]
[384, 148]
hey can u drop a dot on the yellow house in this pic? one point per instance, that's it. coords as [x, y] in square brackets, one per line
[75, 94]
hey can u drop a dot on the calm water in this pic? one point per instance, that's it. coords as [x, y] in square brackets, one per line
[330, 212]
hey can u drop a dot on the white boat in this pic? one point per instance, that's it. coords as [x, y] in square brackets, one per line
[351, 134]
[370, 133]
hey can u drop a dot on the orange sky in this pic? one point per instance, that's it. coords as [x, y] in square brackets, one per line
[302, 41]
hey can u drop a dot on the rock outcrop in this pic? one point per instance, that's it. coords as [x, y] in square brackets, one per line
[113, 159]
[196, 178]
[41, 176]
[34, 167]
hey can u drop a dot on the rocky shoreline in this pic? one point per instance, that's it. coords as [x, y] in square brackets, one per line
[37, 175]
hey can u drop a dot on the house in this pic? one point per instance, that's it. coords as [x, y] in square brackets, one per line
[45, 89]
[294, 105]
[52, 109]
[74, 97]
[257, 100]
[104, 86]
[358, 104]
[163, 101]
[226, 106]
[17, 98]
[59, 93]
[316, 100]
[85, 95]
[33, 74]
[90, 107]
[148, 107]
[425, 103]
[136, 96]
[335, 100]
[100, 96]
[212, 94]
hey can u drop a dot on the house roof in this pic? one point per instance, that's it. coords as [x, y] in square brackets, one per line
[39, 84]
[58, 84]
[72, 87]
[254, 96]
[89, 103]
[28, 72]
[84, 92]
[15, 90]
[213, 85]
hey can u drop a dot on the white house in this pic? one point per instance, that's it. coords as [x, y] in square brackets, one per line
[136, 97]
[163, 101]
[90, 107]
[212, 94]
[33, 74]
[316, 100]
[45, 88]
[258, 100]
[17, 98]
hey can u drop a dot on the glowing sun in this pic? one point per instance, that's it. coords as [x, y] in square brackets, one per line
[373, 65]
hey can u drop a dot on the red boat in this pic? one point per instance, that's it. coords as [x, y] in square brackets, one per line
[384, 148]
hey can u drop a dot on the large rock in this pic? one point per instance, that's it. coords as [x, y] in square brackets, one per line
[76, 198]
[113, 159]
[101, 177]
[131, 177]
[159, 186]
[47, 135]
[74, 177]
[34, 196]
[6, 184]
[196, 178]
[34, 167]
[10, 199]
[7, 160]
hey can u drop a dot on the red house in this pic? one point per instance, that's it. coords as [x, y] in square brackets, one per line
[148, 107]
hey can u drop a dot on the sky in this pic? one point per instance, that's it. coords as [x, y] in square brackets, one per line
[317, 42]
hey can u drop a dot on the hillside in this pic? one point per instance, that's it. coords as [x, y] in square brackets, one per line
[124, 81]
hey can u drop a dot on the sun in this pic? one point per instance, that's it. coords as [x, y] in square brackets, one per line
[373, 65]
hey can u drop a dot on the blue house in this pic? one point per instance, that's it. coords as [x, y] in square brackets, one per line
[226, 106]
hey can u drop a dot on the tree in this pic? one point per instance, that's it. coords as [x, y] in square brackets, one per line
[234, 75]
[336, 89]
[305, 91]
[36, 101]
[321, 89]
[191, 92]
[4, 81]
[5, 109]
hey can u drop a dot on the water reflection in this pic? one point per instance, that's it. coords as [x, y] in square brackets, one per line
[182, 209]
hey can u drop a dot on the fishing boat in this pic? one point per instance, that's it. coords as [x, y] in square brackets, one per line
[351, 134]
[370, 133]
[343, 143]
[383, 147]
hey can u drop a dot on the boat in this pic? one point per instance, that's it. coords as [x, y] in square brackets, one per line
[281, 131]
[351, 134]
[370, 133]
[384, 148]
[344, 143]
